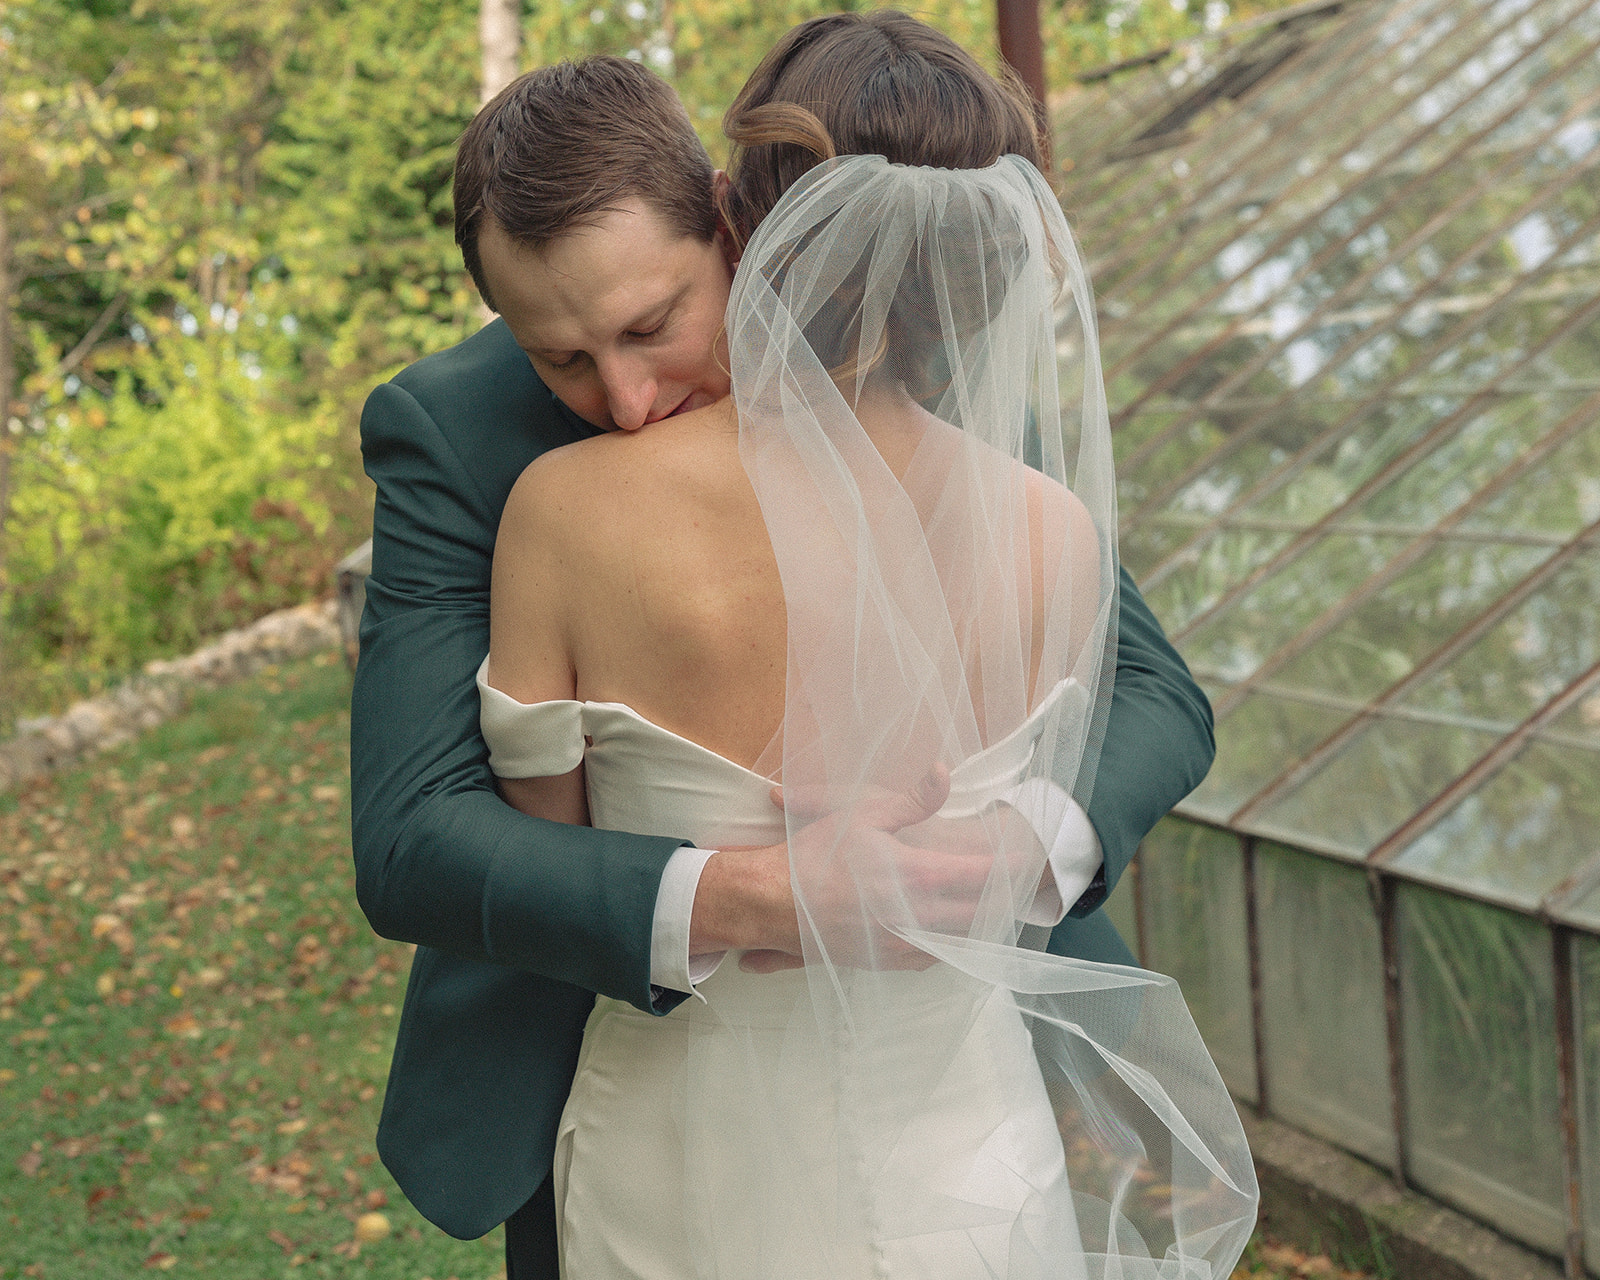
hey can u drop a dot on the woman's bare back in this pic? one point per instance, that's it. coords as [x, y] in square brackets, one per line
[635, 568]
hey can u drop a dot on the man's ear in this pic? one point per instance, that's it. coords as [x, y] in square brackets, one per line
[727, 241]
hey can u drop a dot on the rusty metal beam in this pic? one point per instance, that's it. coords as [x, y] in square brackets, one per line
[1391, 199]
[1396, 465]
[1383, 705]
[1490, 763]
[1021, 44]
[1567, 1085]
[1575, 422]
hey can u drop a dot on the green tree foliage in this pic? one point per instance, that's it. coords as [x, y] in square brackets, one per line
[220, 224]
[225, 224]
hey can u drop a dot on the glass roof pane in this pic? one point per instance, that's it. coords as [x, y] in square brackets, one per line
[1208, 570]
[1559, 497]
[1494, 350]
[1257, 446]
[1240, 638]
[1432, 71]
[1577, 726]
[1258, 740]
[1586, 912]
[1131, 433]
[1166, 462]
[1385, 638]
[1456, 468]
[1146, 544]
[1375, 782]
[1521, 833]
[1528, 657]
[1347, 461]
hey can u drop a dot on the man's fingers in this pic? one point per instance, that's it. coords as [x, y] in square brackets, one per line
[769, 961]
[887, 811]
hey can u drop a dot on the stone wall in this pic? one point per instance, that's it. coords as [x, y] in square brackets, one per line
[162, 691]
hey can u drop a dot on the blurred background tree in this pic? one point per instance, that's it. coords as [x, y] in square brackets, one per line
[220, 225]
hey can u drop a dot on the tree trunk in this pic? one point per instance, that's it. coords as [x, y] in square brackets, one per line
[1020, 43]
[8, 409]
[500, 37]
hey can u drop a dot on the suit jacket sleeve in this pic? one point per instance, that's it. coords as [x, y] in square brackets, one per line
[441, 860]
[1158, 743]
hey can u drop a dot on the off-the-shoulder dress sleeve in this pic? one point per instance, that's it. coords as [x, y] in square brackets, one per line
[529, 739]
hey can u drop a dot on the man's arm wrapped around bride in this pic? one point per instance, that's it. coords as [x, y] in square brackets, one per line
[826, 671]
[845, 582]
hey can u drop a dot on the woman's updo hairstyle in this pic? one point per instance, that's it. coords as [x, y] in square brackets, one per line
[884, 84]
[879, 83]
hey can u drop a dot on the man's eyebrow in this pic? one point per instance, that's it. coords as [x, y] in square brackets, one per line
[659, 310]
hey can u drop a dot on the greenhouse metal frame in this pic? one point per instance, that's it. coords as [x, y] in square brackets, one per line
[1348, 264]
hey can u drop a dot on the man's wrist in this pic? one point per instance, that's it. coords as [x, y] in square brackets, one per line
[744, 902]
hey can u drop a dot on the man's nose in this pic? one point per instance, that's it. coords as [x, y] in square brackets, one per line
[630, 395]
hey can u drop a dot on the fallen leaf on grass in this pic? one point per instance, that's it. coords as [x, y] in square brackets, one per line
[161, 1261]
[371, 1227]
[29, 1164]
[183, 1024]
[282, 1241]
[101, 1194]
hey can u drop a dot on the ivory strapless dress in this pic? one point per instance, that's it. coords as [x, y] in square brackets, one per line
[721, 1140]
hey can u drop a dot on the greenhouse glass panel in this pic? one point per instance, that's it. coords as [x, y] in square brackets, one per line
[1144, 545]
[1558, 498]
[1454, 470]
[1135, 432]
[1260, 442]
[1248, 630]
[1483, 1109]
[1521, 833]
[1352, 453]
[1256, 741]
[1364, 442]
[1207, 570]
[1191, 891]
[1375, 782]
[1586, 974]
[1169, 457]
[1323, 1033]
[1385, 637]
[1585, 912]
[1525, 658]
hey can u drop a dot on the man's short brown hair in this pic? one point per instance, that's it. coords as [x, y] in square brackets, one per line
[560, 146]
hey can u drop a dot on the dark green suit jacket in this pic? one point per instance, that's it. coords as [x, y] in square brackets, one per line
[519, 922]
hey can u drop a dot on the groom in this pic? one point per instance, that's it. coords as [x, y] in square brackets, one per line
[584, 213]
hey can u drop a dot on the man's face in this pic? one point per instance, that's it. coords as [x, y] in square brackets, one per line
[619, 318]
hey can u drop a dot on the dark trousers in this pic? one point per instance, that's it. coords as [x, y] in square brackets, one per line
[531, 1237]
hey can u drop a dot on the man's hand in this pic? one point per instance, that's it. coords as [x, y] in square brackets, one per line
[866, 872]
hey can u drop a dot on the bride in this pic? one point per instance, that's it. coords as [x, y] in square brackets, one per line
[843, 582]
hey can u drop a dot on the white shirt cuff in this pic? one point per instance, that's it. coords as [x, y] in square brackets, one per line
[671, 965]
[1074, 855]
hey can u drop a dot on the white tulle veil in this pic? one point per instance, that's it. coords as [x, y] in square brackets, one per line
[921, 412]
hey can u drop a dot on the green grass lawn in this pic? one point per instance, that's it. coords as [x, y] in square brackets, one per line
[195, 1019]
